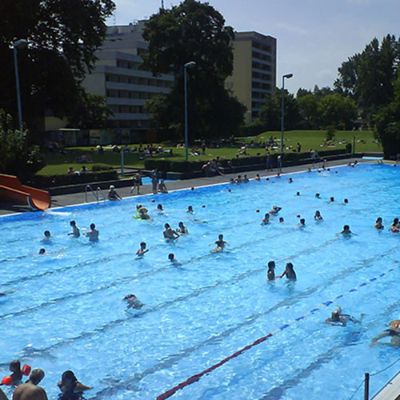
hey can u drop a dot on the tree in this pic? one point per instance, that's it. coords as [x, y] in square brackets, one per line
[337, 111]
[63, 36]
[193, 31]
[309, 112]
[368, 76]
[387, 122]
[17, 156]
[270, 113]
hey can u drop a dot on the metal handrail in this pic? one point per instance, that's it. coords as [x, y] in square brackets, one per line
[89, 188]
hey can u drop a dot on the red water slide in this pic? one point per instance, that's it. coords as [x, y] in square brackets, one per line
[12, 189]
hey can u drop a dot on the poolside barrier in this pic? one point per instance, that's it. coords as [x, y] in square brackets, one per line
[195, 378]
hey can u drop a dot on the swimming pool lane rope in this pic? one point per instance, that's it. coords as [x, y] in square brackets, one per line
[195, 378]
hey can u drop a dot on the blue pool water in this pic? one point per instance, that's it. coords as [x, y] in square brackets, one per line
[65, 311]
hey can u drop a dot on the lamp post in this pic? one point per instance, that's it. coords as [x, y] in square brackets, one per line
[287, 76]
[185, 67]
[15, 45]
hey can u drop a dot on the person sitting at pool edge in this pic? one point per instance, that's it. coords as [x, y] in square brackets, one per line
[70, 387]
[271, 271]
[93, 234]
[289, 272]
[379, 223]
[112, 194]
[142, 250]
[30, 390]
[75, 230]
[393, 332]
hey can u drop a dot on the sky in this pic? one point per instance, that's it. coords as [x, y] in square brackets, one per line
[313, 37]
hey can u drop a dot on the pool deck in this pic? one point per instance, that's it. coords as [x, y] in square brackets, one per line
[391, 391]
[79, 198]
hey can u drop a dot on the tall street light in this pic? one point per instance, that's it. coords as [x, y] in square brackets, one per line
[15, 45]
[287, 76]
[185, 68]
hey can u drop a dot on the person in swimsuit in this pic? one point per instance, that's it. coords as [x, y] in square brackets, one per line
[289, 272]
[346, 231]
[169, 233]
[93, 234]
[182, 229]
[271, 271]
[379, 224]
[338, 318]
[133, 301]
[30, 390]
[393, 332]
[265, 220]
[142, 250]
[70, 387]
[395, 228]
[275, 210]
[318, 216]
[220, 244]
[75, 230]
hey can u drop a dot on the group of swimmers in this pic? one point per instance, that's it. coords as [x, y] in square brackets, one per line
[70, 387]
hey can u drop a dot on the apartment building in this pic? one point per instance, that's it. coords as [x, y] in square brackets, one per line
[118, 77]
[254, 70]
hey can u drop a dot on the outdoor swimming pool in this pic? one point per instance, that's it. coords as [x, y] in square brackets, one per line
[65, 311]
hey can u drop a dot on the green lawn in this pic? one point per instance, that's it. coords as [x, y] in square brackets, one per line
[58, 164]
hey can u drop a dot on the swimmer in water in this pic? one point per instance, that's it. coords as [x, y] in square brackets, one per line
[265, 220]
[245, 179]
[220, 244]
[346, 231]
[93, 234]
[318, 216]
[290, 180]
[281, 220]
[302, 223]
[346, 201]
[70, 387]
[182, 229]
[338, 318]
[160, 208]
[275, 210]
[142, 250]
[42, 251]
[190, 210]
[75, 230]
[133, 301]
[289, 272]
[169, 233]
[142, 212]
[297, 193]
[257, 178]
[393, 332]
[271, 271]
[331, 200]
[379, 223]
[173, 260]
[317, 195]
[395, 227]
[46, 237]
[30, 389]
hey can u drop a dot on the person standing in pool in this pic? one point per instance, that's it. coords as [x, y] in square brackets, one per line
[75, 230]
[182, 229]
[289, 272]
[169, 233]
[93, 234]
[70, 387]
[379, 224]
[318, 216]
[265, 220]
[46, 237]
[30, 390]
[395, 227]
[220, 244]
[271, 271]
[142, 250]
[346, 231]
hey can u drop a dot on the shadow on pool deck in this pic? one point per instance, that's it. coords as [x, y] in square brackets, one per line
[78, 198]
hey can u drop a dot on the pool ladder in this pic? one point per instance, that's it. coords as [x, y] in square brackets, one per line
[97, 194]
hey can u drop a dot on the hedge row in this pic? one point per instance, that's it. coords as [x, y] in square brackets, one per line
[192, 166]
[74, 179]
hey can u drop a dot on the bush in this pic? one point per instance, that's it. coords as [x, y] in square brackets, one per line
[74, 179]
[17, 156]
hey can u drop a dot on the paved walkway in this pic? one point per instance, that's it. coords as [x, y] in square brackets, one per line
[78, 198]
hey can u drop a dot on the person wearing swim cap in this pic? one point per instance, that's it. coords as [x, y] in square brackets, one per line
[30, 390]
[112, 194]
[338, 318]
[393, 332]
